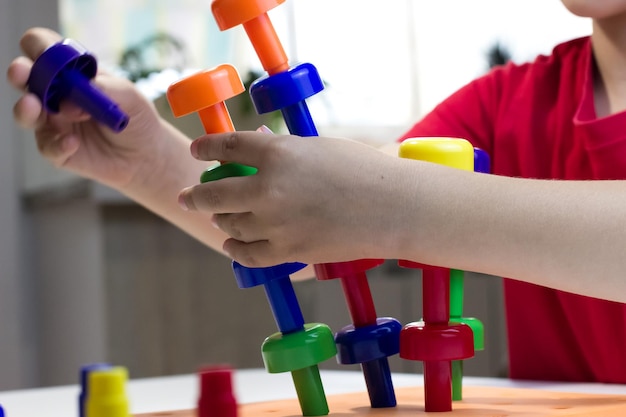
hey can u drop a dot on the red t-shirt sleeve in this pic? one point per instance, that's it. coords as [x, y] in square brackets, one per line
[470, 113]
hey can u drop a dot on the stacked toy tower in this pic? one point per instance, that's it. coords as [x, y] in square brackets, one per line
[437, 340]
[442, 340]
[298, 347]
[370, 340]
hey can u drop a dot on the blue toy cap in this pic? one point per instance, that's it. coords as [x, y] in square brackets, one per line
[63, 72]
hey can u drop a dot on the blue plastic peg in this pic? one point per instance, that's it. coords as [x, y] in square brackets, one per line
[64, 72]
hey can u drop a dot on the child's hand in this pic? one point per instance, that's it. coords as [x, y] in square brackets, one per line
[71, 140]
[312, 200]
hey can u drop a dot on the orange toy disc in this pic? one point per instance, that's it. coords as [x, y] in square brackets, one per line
[204, 89]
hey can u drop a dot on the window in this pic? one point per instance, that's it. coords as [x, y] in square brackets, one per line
[384, 63]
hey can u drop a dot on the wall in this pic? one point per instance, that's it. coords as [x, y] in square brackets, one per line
[18, 334]
[50, 303]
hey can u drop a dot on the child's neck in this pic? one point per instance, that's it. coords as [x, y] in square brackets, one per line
[609, 48]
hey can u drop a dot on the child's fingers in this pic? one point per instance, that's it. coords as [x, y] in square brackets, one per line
[56, 147]
[245, 227]
[72, 112]
[253, 255]
[36, 40]
[27, 111]
[228, 195]
[18, 72]
[243, 147]
[29, 114]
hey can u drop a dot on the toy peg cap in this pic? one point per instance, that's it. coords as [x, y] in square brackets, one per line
[63, 72]
[452, 152]
[482, 161]
[107, 393]
[84, 389]
[204, 89]
[217, 396]
[47, 69]
[231, 13]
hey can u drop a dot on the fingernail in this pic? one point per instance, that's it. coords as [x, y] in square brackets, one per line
[181, 201]
[193, 148]
[214, 222]
[264, 129]
[225, 249]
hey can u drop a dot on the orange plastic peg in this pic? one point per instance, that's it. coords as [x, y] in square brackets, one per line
[252, 14]
[205, 92]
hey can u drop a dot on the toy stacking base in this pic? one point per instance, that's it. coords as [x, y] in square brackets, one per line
[478, 401]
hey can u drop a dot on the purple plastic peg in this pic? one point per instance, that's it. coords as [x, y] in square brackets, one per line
[64, 72]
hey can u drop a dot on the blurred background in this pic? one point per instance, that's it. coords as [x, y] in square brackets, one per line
[87, 276]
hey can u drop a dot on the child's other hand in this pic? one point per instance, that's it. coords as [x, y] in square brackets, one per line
[71, 140]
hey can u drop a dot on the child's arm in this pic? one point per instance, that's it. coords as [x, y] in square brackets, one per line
[325, 200]
[149, 161]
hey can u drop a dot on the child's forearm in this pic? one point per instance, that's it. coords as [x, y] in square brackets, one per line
[157, 187]
[563, 234]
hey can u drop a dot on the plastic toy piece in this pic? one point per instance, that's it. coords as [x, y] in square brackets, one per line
[1, 411]
[286, 89]
[84, 389]
[280, 293]
[370, 340]
[298, 347]
[63, 72]
[107, 393]
[205, 93]
[436, 341]
[287, 92]
[456, 316]
[217, 398]
[299, 353]
[252, 14]
[481, 164]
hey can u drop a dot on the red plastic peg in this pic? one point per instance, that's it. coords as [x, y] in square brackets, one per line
[217, 398]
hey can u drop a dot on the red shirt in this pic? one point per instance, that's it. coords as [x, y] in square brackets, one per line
[537, 120]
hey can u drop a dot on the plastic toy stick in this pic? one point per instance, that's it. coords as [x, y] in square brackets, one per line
[359, 300]
[436, 340]
[287, 92]
[286, 89]
[456, 312]
[481, 164]
[437, 373]
[63, 72]
[370, 340]
[252, 14]
[205, 93]
[297, 347]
